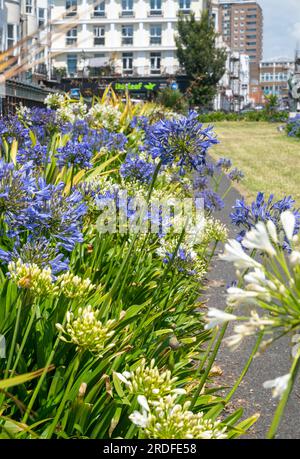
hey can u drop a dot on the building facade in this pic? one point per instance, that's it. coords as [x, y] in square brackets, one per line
[120, 37]
[241, 26]
[24, 22]
[233, 88]
[274, 77]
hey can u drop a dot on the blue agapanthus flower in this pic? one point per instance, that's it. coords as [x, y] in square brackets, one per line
[235, 175]
[105, 139]
[182, 142]
[75, 153]
[11, 129]
[246, 216]
[38, 154]
[37, 251]
[212, 201]
[55, 216]
[224, 163]
[17, 190]
[136, 168]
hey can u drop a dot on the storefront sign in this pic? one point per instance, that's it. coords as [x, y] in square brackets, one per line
[148, 86]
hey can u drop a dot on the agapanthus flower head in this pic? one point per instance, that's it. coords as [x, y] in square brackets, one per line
[52, 215]
[182, 141]
[149, 381]
[104, 139]
[136, 168]
[168, 419]
[74, 153]
[104, 116]
[224, 163]
[30, 276]
[71, 111]
[17, 188]
[246, 216]
[272, 285]
[39, 252]
[185, 259]
[73, 286]
[236, 175]
[11, 128]
[54, 101]
[37, 154]
[87, 332]
[212, 200]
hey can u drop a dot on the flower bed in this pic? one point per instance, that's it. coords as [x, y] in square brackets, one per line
[101, 276]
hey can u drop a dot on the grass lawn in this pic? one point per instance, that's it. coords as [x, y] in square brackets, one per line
[269, 159]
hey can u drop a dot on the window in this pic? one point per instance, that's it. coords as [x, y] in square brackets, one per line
[71, 37]
[71, 7]
[127, 8]
[99, 36]
[99, 10]
[10, 36]
[184, 6]
[72, 64]
[127, 59]
[251, 43]
[155, 7]
[127, 35]
[251, 36]
[28, 6]
[155, 35]
[155, 61]
[41, 16]
[251, 16]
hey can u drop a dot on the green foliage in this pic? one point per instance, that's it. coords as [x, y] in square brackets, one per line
[173, 99]
[204, 63]
[254, 116]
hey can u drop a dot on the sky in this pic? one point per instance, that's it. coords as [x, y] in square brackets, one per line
[281, 27]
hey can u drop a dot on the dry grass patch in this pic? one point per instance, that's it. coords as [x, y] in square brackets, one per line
[269, 159]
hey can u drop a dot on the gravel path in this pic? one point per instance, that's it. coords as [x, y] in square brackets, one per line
[273, 363]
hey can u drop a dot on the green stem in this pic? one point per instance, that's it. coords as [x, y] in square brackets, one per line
[23, 341]
[246, 367]
[209, 365]
[43, 375]
[65, 397]
[14, 339]
[153, 180]
[282, 404]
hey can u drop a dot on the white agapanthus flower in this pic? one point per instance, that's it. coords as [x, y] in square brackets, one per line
[237, 296]
[295, 258]
[296, 345]
[279, 385]
[258, 238]
[217, 317]
[288, 221]
[234, 252]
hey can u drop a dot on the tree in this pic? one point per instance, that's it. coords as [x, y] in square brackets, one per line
[197, 52]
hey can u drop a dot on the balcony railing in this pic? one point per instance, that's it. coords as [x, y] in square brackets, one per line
[127, 14]
[184, 11]
[139, 71]
[98, 14]
[127, 40]
[155, 13]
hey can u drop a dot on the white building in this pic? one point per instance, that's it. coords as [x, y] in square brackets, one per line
[132, 37]
[20, 19]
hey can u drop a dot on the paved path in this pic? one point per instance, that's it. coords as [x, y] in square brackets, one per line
[273, 363]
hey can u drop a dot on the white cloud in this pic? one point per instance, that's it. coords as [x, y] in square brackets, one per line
[281, 27]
